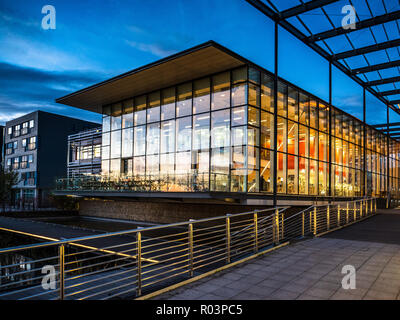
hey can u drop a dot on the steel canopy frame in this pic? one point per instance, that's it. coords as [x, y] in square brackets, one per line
[280, 17]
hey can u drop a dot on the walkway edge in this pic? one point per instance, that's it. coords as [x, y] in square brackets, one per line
[344, 226]
[209, 273]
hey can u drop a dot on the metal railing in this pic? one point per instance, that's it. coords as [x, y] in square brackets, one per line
[131, 263]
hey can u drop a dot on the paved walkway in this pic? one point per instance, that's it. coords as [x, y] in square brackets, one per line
[311, 269]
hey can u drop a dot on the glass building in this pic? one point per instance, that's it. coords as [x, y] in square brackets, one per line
[224, 132]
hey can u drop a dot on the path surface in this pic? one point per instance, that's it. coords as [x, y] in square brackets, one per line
[311, 269]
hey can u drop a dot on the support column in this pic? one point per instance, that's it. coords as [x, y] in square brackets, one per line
[330, 132]
[387, 159]
[364, 191]
[275, 168]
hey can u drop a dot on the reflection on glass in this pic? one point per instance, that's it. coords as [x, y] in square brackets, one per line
[153, 138]
[267, 93]
[127, 142]
[140, 110]
[184, 134]
[115, 144]
[239, 95]
[168, 104]
[167, 136]
[184, 104]
[140, 141]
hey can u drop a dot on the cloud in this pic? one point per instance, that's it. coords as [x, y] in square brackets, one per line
[28, 89]
[154, 49]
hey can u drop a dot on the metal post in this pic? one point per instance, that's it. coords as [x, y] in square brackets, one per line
[302, 225]
[315, 221]
[372, 200]
[361, 208]
[338, 215]
[327, 218]
[364, 142]
[347, 213]
[282, 226]
[330, 131]
[375, 205]
[190, 240]
[61, 250]
[228, 238]
[366, 207]
[139, 263]
[387, 159]
[355, 211]
[255, 221]
[276, 224]
[275, 164]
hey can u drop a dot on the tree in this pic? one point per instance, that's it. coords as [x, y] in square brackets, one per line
[8, 179]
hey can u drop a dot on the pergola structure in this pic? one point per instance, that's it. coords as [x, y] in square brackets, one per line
[368, 52]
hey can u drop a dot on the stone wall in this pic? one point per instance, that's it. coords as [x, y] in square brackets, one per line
[157, 211]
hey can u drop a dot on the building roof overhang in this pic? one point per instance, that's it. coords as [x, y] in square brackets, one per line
[196, 62]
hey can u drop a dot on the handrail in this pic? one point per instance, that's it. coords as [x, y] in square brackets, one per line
[148, 262]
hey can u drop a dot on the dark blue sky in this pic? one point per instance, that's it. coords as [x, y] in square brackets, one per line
[95, 40]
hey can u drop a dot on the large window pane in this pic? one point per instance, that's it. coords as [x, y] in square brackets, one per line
[201, 99]
[153, 111]
[184, 104]
[127, 116]
[220, 132]
[184, 134]
[127, 142]
[266, 159]
[116, 144]
[282, 134]
[313, 185]
[254, 95]
[201, 131]
[313, 114]
[281, 173]
[239, 116]
[303, 176]
[239, 136]
[304, 109]
[220, 169]
[140, 110]
[267, 129]
[140, 141]
[168, 136]
[282, 99]
[168, 104]
[267, 93]
[221, 94]
[152, 166]
[116, 116]
[239, 95]
[292, 175]
[153, 138]
[303, 141]
[293, 108]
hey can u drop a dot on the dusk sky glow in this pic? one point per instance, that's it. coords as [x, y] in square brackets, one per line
[96, 40]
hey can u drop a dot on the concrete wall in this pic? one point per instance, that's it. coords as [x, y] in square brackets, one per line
[158, 212]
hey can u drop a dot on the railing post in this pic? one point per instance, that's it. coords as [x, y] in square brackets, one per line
[375, 205]
[282, 226]
[190, 240]
[139, 263]
[276, 226]
[61, 250]
[302, 224]
[372, 210]
[361, 208]
[338, 215]
[347, 212]
[327, 218]
[315, 221]
[228, 238]
[366, 207]
[355, 211]
[255, 220]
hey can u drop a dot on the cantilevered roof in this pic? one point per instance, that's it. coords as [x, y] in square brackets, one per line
[193, 63]
[369, 53]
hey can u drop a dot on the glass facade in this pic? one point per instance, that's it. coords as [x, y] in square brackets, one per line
[218, 133]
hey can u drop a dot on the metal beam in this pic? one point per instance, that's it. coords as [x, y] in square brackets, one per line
[384, 125]
[358, 26]
[390, 92]
[394, 102]
[302, 37]
[367, 49]
[382, 81]
[391, 130]
[376, 67]
[304, 7]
